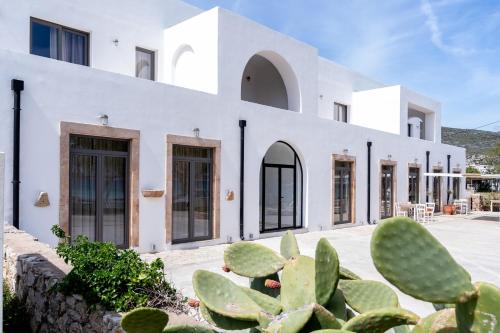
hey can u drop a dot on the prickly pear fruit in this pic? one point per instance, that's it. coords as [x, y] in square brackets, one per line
[223, 322]
[224, 297]
[297, 283]
[442, 321]
[273, 284]
[144, 320]
[267, 303]
[409, 257]
[346, 274]
[259, 285]
[187, 329]
[482, 313]
[379, 321]
[194, 303]
[365, 295]
[252, 260]
[326, 271]
[290, 322]
[288, 246]
[226, 269]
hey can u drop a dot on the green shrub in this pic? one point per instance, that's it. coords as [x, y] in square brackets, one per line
[15, 317]
[117, 279]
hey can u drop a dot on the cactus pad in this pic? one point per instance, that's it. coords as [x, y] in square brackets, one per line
[223, 322]
[222, 296]
[297, 283]
[336, 305]
[442, 321]
[288, 246]
[267, 303]
[259, 285]
[481, 314]
[322, 319]
[409, 257]
[252, 260]
[331, 331]
[290, 322]
[346, 274]
[327, 271]
[187, 329]
[144, 320]
[379, 321]
[365, 295]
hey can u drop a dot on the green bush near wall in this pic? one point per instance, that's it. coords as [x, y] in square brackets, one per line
[486, 199]
[15, 317]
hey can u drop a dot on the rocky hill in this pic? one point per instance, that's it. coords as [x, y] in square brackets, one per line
[476, 142]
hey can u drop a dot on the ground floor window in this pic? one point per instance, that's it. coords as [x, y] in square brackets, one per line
[98, 187]
[280, 189]
[413, 185]
[191, 194]
[386, 191]
[343, 196]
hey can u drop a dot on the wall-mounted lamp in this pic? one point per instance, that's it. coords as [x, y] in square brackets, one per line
[249, 78]
[320, 96]
[116, 41]
[345, 151]
[415, 160]
[439, 163]
[458, 165]
[389, 157]
[104, 119]
[196, 132]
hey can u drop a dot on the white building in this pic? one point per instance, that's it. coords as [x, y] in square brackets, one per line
[154, 163]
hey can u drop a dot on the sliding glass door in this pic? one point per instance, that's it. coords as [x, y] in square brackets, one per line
[191, 194]
[436, 191]
[413, 185]
[386, 191]
[99, 189]
[342, 196]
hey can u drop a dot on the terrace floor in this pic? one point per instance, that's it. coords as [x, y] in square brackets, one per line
[473, 240]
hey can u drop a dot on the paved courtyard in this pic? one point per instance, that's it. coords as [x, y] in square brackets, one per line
[474, 243]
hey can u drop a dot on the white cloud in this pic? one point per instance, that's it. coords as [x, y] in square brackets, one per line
[432, 23]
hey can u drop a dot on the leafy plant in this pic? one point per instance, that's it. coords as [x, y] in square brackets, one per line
[117, 279]
[318, 295]
[15, 316]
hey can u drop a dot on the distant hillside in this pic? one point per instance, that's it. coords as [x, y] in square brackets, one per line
[476, 142]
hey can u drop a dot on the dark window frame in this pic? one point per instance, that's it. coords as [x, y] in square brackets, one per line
[60, 29]
[153, 61]
[344, 117]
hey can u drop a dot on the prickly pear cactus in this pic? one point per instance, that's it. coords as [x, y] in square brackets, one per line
[252, 260]
[327, 271]
[443, 321]
[379, 321]
[365, 295]
[288, 246]
[481, 314]
[144, 320]
[409, 257]
[298, 275]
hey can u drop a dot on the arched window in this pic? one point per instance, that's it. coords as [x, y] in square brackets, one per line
[269, 80]
[281, 187]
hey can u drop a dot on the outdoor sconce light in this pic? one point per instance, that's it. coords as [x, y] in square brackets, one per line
[345, 151]
[458, 165]
[196, 132]
[104, 119]
[389, 157]
[116, 41]
[248, 78]
[415, 160]
[320, 96]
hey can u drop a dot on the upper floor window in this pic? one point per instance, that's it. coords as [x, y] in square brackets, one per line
[144, 63]
[340, 112]
[58, 42]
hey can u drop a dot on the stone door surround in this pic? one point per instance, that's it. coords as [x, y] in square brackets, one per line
[67, 129]
[193, 142]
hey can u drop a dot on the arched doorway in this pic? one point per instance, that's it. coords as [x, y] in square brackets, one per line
[281, 187]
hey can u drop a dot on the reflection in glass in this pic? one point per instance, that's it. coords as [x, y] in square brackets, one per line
[342, 195]
[413, 185]
[201, 199]
[180, 200]
[114, 200]
[83, 171]
[386, 191]
[271, 209]
[287, 200]
[436, 192]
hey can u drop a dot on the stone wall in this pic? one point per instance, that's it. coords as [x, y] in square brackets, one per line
[31, 269]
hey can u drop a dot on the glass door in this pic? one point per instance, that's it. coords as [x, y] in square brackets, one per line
[191, 194]
[99, 189]
[436, 191]
[386, 191]
[342, 195]
[413, 185]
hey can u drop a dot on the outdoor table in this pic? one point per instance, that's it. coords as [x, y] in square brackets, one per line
[493, 202]
[410, 208]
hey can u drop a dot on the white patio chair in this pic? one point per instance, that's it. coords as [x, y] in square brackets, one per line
[464, 206]
[458, 206]
[430, 207]
[398, 211]
[420, 212]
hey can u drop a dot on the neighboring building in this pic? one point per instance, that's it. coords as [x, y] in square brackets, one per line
[153, 161]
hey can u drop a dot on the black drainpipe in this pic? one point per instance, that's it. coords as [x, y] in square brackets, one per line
[368, 192]
[17, 86]
[427, 153]
[243, 124]
[448, 181]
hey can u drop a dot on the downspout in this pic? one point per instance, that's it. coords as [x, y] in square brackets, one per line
[242, 124]
[448, 181]
[427, 153]
[368, 192]
[17, 86]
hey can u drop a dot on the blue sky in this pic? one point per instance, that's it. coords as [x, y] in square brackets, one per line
[447, 49]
